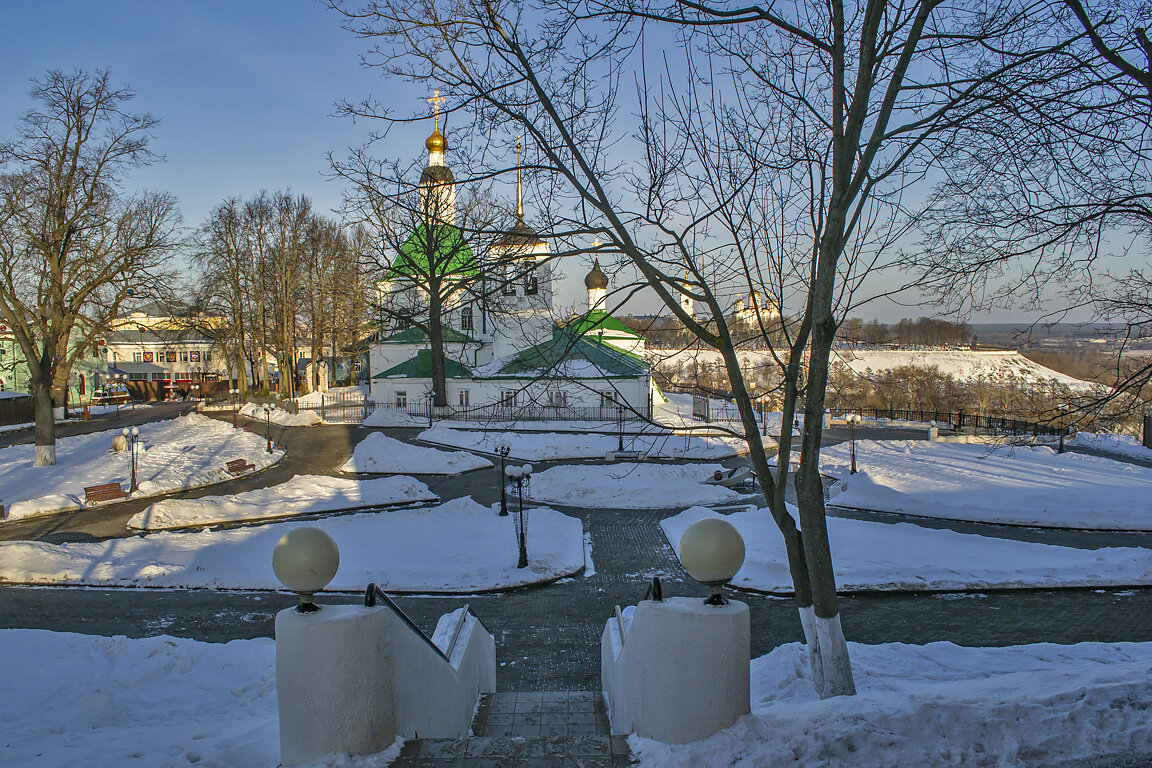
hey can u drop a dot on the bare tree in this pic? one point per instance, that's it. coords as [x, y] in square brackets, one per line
[73, 247]
[798, 127]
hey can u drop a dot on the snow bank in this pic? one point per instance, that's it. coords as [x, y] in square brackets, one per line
[178, 453]
[936, 705]
[1121, 445]
[390, 417]
[281, 417]
[550, 446]
[459, 546]
[379, 453]
[629, 486]
[158, 701]
[302, 495]
[961, 364]
[906, 557]
[1016, 485]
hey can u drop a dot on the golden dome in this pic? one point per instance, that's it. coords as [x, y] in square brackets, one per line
[436, 142]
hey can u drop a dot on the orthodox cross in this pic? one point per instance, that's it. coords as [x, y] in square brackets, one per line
[436, 100]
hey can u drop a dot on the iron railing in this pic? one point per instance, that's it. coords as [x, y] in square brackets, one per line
[962, 420]
[373, 592]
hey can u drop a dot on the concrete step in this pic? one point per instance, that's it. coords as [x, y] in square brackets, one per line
[530, 729]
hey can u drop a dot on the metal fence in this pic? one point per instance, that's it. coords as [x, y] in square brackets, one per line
[501, 412]
[16, 410]
[960, 420]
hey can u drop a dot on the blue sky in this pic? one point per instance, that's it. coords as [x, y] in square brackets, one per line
[244, 89]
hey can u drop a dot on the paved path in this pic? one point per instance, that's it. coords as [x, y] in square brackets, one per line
[548, 637]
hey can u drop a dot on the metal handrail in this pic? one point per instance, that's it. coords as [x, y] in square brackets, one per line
[456, 632]
[654, 591]
[620, 625]
[372, 592]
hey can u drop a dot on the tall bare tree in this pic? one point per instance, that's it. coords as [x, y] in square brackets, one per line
[73, 246]
[815, 117]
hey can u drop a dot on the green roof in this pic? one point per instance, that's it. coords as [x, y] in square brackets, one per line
[418, 336]
[420, 367]
[561, 356]
[450, 254]
[590, 323]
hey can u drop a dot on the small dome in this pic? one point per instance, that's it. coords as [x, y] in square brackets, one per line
[436, 142]
[437, 174]
[596, 278]
[519, 235]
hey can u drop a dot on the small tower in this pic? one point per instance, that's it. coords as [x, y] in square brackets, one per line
[597, 284]
[437, 184]
[686, 302]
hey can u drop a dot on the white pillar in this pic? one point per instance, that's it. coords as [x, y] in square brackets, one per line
[682, 671]
[334, 682]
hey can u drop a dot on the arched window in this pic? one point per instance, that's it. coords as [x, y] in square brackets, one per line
[466, 319]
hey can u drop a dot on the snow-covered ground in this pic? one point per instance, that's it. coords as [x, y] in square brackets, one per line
[459, 546]
[302, 495]
[548, 446]
[281, 417]
[1121, 445]
[178, 453]
[961, 364]
[379, 453]
[170, 701]
[1018, 485]
[390, 417]
[935, 705]
[626, 485]
[906, 557]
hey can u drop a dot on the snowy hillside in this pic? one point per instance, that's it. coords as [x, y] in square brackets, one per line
[961, 364]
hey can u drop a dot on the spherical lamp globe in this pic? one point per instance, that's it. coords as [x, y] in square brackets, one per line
[305, 560]
[712, 551]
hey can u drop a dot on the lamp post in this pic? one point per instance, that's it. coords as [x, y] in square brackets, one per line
[520, 476]
[305, 560]
[1063, 409]
[431, 400]
[620, 426]
[502, 450]
[268, 425]
[712, 551]
[853, 419]
[132, 436]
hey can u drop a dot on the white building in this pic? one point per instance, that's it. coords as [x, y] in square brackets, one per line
[504, 353]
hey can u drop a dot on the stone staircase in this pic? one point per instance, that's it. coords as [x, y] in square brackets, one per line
[534, 729]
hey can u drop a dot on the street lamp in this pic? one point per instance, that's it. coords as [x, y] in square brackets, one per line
[712, 551]
[620, 426]
[503, 448]
[305, 560]
[268, 425]
[520, 476]
[132, 436]
[853, 419]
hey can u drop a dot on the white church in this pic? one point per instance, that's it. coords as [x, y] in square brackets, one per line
[506, 356]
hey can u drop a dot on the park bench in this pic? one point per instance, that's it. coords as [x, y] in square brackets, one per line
[94, 494]
[238, 466]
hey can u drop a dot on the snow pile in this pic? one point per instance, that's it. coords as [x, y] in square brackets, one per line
[390, 417]
[459, 546]
[187, 452]
[281, 417]
[379, 453]
[1016, 485]
[964, 365]
[629, 486]
[872, 556]
[936, 705]
[550, 446]
[1121, 445]
[302, 495]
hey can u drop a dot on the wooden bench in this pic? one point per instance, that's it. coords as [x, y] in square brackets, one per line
[94, 494]
[238, 466]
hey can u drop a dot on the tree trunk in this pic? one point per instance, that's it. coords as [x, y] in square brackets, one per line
[436, 345]
[45, 425]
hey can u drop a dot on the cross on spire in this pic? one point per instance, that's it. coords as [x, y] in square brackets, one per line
[519, 190]
[436, 100]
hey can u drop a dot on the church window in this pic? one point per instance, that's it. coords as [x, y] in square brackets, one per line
[466, 319]
[463, 398]
[508, 398]
[531, 284]
[401, 398]
[558, 398]
[607, 399]
[509, 282]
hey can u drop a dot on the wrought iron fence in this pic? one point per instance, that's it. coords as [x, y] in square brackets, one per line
[961, 420]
